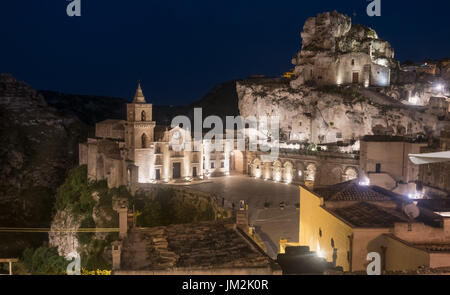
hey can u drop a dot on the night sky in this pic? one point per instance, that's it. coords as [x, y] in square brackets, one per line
[181, 49]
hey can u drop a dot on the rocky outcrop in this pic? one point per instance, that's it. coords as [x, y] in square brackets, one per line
[63, 233]
[331, 114]
[39, 144]
[327, 39]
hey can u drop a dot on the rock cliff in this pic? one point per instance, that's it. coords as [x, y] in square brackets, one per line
[39, 144]
[329, 36]
[330, 114]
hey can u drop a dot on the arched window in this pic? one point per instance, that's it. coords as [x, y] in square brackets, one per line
[143, 116]
[144, 141]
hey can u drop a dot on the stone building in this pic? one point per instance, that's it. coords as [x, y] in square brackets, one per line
[384, 161]
[335, 52]
[435, 177]
[345, 222]
[140, 151]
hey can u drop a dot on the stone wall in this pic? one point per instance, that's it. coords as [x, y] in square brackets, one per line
[322, 168]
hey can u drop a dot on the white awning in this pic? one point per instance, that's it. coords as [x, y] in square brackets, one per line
[420, 159]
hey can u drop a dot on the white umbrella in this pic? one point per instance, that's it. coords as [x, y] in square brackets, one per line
[420, 159]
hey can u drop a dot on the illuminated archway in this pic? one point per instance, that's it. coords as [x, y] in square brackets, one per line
[276, 171]
[350, 174]
[256, 168]
[288, 174]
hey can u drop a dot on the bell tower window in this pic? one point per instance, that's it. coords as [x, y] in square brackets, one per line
[144, 141]
[143, 116]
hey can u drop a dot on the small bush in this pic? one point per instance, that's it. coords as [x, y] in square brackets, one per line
[44, 261]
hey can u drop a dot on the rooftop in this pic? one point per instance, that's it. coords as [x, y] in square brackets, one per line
[353, 191]
[205, 245]
[369, 216]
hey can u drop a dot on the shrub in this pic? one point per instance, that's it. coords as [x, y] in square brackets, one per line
[44, 260]
[87, 222]
[75, 193]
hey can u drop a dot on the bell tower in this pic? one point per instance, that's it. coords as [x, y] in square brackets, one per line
[140, 127]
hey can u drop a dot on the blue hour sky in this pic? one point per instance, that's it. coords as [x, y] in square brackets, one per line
[181, 49]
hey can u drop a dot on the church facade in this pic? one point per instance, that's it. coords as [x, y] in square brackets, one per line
[137, 150]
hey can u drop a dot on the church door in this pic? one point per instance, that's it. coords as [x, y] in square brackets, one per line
[355, 78]
[176, 170]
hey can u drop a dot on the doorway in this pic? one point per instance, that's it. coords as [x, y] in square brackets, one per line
[176, 171]
[355, 78]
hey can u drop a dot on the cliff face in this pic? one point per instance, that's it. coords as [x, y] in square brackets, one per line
[38, 145]
[329, 114]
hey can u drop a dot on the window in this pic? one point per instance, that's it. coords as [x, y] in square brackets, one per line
[353, 62]
[143, 116]
[332, 243]
[378, 168]
[144, 141]
[320, 232]
[338, 135]
[158, 149]
[212, 165]
[222, 164]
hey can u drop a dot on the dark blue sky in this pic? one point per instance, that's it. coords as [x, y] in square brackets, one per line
[181, 49]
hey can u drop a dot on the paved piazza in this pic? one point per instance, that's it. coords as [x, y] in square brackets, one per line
[271, 224]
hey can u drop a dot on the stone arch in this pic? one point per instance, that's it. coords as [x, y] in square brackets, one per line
[238, 158]
[277, 171]
[144, 141]
[350, 173]
[310, 172]
[288, 172]
[143, 116]
[100, 168]
[256, 168]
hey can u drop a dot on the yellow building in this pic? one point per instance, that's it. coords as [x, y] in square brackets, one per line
[345, 222]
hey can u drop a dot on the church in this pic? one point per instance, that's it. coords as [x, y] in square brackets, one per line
[138, 151]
